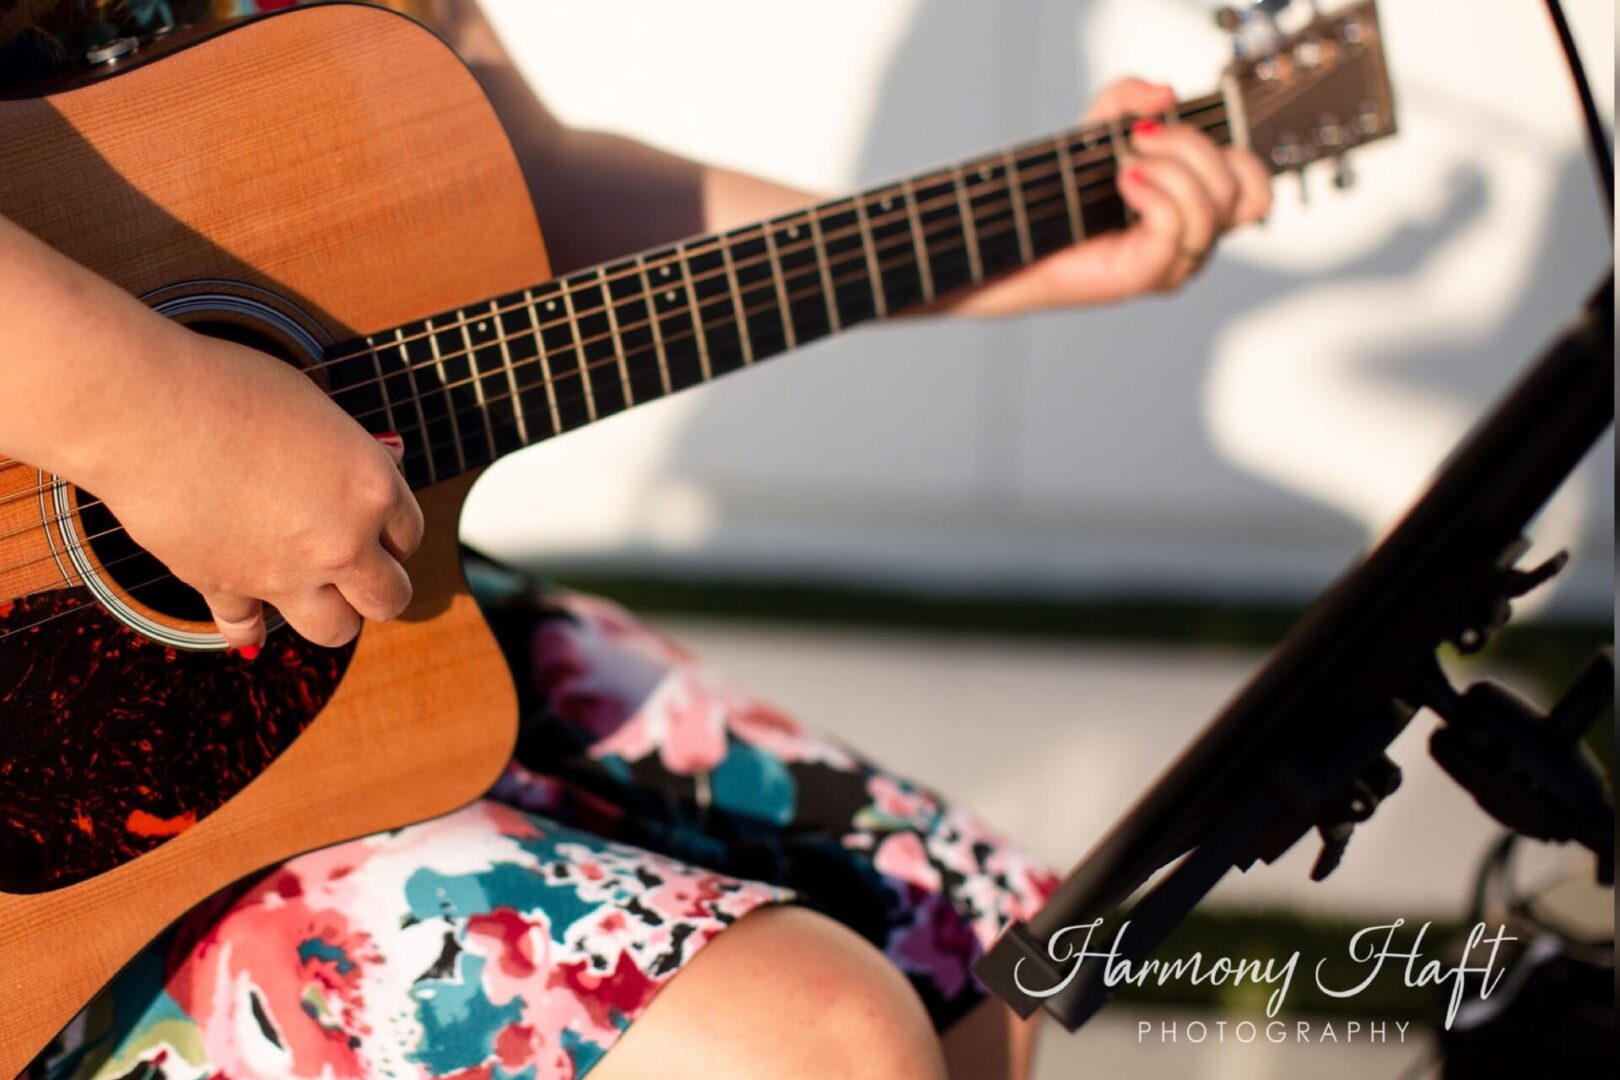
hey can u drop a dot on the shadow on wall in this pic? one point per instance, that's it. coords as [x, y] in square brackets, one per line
[945, 427]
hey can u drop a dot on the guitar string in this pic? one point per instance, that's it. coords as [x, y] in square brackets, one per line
[1041, 201]
[1031, 196]
[126, 591]
[686, 250]
[476, 408]
[648, 299]
[453, 415]
[715, 243]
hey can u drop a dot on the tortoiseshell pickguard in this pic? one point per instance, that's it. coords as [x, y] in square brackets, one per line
[110, 744]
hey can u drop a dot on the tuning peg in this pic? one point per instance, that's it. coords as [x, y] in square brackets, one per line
[1253, 27]
[1344, 177]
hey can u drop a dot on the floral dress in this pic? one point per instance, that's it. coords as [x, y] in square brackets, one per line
[649, 805]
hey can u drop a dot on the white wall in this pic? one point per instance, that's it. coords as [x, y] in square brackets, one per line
[1246, 437]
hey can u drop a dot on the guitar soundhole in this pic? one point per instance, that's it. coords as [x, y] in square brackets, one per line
[133, 572]
[122, 722]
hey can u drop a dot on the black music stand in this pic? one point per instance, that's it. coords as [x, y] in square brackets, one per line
[1302, 745]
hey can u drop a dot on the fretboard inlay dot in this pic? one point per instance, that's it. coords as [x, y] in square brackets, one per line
[465, 387]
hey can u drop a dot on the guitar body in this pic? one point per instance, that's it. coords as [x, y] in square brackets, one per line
[309, 176]
[326, 174]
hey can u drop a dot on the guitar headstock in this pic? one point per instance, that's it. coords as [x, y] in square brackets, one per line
[1315, 92]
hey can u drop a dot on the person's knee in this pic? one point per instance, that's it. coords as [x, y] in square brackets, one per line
[852, 1013]
[786, 993]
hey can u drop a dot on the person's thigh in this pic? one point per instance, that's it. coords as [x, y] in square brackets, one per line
[486, 942]
[623, 723]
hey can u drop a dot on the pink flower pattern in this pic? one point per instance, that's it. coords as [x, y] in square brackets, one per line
[523, 934]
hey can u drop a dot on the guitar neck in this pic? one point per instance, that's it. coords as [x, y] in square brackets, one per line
[467, 386]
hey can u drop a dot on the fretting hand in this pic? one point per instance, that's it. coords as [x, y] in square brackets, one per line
[1186, 191]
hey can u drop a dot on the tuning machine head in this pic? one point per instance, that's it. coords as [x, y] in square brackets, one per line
[1257, 26]
[1310, 94]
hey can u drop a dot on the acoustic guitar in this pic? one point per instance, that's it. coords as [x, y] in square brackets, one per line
[371, 226]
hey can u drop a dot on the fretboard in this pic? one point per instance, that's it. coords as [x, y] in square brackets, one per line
[467, 386]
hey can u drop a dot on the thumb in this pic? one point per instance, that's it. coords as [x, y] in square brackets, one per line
[240, 619]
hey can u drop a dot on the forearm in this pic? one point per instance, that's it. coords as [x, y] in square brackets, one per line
[599, 196]
[81, 361]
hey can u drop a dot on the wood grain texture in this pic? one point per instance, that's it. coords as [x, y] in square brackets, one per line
[341, 157]
[25, 544]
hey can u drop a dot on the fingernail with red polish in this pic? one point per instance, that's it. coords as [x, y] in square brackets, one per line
[1135, 175]
[391, 438]
[249, 652]
[1146, 127]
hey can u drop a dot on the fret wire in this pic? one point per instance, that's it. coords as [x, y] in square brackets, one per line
[546, 373]
[650, 302]
[788, 333]
[382, 385]
[697, 318]
[585, 365]
[613, 330]
[1071, 194]
[919, 241]
[444, 390]
[551, 378]
[833, 321]
[1209, 103]
[852, 277]
[511, 374]
[478, 384]
[879, 296]
[579, 349]
[1122, 151]
[399, 331]
[528, 300]
[1117, 140]
[545, 363]
[849, 279]
[1068, 177]
[413, 436]
[1026, 249]
[743, 337]
[969, 230]
[416, 400]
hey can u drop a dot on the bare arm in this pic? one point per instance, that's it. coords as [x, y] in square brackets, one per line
[187, 438]
[599, 195]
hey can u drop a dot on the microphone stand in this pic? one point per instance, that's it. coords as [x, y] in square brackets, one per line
[1302, 745]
